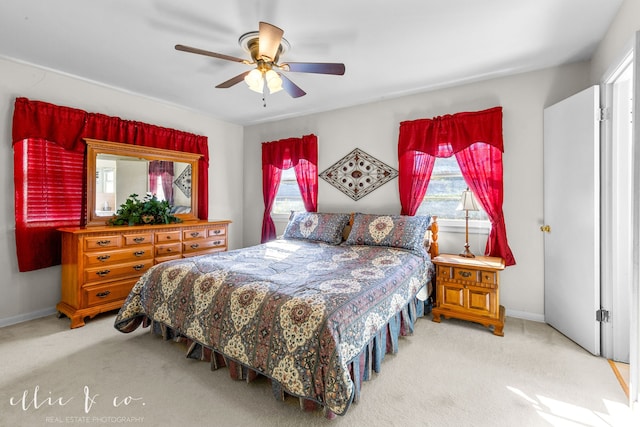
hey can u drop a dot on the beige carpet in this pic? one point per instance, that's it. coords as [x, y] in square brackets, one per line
[449, 374]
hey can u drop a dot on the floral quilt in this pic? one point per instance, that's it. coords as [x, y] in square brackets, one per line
[296, 311]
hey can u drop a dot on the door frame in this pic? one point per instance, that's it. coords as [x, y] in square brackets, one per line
[629, 56]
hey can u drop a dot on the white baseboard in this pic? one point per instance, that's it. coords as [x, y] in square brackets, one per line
[27, 316]
[535, 317]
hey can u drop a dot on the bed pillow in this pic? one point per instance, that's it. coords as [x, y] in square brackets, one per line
[396, 231]
[322, 227]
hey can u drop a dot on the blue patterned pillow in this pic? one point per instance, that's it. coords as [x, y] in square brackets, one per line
[396, 231]
[323, 227]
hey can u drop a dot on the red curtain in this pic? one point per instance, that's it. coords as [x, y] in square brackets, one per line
[164, 170]
[476, 140]
[302, 155]
[67, 127]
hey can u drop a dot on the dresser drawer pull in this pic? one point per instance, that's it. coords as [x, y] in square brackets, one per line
[103, 294]
[195, 246]
[168, 237]
[465, 274]
[138, 253]
[195, 234]
[103, 242]
[138, 267]
[103, 273]
[138, 239]
[217, 231]
[169, 250]
[103, 258]
[217, 242]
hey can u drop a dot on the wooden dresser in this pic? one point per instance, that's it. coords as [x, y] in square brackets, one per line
[100, 265]
[469, 289]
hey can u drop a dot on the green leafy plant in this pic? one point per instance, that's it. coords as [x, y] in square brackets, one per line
[149, 210]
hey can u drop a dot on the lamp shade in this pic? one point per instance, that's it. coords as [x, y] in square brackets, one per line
[274, 82]
[254, 80]
[467, 202]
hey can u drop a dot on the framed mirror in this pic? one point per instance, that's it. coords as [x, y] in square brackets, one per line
[116, 170]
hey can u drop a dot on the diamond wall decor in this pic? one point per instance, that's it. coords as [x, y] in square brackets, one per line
[183, 182]
[358, 174]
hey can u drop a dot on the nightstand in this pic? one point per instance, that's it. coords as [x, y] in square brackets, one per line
[468, 289]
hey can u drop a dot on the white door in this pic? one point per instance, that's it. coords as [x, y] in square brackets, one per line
[572, 214]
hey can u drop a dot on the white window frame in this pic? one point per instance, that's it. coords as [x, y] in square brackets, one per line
[284, 216]
[476, 226]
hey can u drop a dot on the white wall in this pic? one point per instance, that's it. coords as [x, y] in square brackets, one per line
[32, 294]
[374, 129]
[621, 31]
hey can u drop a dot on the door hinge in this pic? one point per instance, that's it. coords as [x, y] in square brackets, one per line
[602, 315]
[605, 114]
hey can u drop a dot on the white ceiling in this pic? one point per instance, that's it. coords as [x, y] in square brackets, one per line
[390, 48]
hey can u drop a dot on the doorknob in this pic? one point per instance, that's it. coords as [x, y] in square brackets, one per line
[545, 228]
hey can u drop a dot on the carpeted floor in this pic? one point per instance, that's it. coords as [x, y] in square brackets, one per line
[449, 374]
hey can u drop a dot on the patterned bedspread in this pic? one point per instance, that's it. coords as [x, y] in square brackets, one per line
[294, 310]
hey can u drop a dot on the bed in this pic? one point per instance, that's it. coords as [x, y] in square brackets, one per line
[315, 311]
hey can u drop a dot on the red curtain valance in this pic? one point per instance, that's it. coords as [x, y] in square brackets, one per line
[286, 153]
[68, 126]
[446, 135]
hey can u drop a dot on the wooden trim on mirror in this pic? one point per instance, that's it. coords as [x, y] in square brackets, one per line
[95, 147]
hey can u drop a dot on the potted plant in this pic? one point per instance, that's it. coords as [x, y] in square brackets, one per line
[149, 210]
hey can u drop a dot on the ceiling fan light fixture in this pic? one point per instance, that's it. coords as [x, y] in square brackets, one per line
[254, 80]
[274, 82]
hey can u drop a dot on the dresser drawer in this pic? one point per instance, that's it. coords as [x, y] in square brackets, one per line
[201, 245]
[216, 231]
[102, 242]
[117, 256]
[138, 239]
[168, 236]
[111, 272]
[194, 233]
[168, 249]
[101, 294]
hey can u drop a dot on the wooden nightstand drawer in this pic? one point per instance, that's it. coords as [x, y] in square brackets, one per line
[489, 277]
[444, 273]
[465, 274]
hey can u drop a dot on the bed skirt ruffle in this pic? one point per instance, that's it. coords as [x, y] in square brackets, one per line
[360, 367]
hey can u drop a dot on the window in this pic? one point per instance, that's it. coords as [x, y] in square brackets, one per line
[445, 189]
[51, 191]
[288, 197]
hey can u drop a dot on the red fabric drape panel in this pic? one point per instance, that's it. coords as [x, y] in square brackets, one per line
[302, 155]
[67, 127]
[481, 166]
[421, 140]
[414, 173]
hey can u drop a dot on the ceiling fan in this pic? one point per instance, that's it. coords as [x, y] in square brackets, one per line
[265, 47]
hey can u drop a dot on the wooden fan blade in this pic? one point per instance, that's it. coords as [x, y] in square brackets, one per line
[233, 81]
[315, 67]
[269, 39]
[184, 48]
[291, 88]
